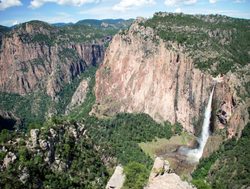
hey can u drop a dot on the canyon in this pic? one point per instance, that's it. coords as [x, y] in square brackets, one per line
[27, 65]
[88, 94]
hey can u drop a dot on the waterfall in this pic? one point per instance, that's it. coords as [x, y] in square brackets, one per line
[194, 155]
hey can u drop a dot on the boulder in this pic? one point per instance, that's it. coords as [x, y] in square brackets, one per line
[161, 177]
[9, 158]
[34, 137]
[117, 179]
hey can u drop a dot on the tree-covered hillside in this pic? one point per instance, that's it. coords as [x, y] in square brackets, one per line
[84, 31]
[218, 44]
[63, 154]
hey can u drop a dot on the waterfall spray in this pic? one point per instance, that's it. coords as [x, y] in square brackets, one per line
[194, 155]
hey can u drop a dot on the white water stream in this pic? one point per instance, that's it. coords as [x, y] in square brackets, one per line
[194, 155]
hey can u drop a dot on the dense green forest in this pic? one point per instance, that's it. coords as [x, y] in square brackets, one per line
[119, 137]
[116, 139]
[80, 164]
[30, 108]
[217, 44]
[85, 31]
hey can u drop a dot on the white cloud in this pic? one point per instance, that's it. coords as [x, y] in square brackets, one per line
[178, 10]
[212, 1]
[39, 3]
[58, 17]
[124, 5]
[4, 4]
[179, 2]
[15, 22]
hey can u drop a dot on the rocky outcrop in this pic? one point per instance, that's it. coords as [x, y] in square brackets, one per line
[34, 133]
[117, 179]
[24, 175]
[141, 73]
[159, 168]
[30, 61]
[230, 110]
[62, 148]
[43, 142]
[79, 96]
[9, 158]
[162, 178]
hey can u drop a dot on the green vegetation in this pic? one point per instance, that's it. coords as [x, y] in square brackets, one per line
[80, 163]
[85, 31]
[82, 34]
[162, 145]
[136, 175]
[37, 61]
[83, 110]
[31, 108]
[5, 136]
[228, 167]
[68, 53]
[3, 29]
[119, 137]
[200, 184]
[124, 138]
[42, 39]
[212, 41]
[37, 24]
[67, 92]
[106, 23]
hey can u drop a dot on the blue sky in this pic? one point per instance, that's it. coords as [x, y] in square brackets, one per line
[53, 11]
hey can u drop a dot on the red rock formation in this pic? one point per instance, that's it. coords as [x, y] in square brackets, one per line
[27, 65]
[141, 73]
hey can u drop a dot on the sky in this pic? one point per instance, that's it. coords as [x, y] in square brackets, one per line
[55, 11]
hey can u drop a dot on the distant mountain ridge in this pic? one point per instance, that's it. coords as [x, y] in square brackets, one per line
[116, 23]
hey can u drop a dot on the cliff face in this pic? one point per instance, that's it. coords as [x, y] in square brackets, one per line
[28, 60]
[141, 73]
